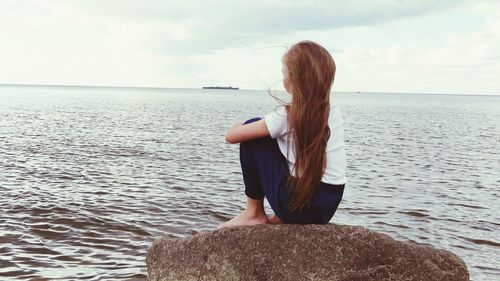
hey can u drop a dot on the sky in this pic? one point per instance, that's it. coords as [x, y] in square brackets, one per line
[419, 46]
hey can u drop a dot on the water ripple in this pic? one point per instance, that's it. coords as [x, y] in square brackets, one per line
[90, 177]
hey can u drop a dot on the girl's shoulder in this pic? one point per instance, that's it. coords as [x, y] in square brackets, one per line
[279, 112]
[335, 119]
[334, 108]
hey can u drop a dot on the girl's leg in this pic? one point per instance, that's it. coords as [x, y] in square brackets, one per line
[261, 168]
[253, 214]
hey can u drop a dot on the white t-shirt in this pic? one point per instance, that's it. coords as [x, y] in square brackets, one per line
[277, 122]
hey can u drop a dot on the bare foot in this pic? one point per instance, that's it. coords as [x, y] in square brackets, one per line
[245, 219]
[275, 220]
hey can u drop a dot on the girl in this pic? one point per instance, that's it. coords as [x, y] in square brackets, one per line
[295, 156]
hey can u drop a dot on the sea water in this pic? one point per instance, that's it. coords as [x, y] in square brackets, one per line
[90, 176]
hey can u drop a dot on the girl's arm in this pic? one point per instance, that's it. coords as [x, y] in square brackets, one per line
[240, 132]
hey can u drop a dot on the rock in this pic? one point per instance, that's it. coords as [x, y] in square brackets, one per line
[299, 252]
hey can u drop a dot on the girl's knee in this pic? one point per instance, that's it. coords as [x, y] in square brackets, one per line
[258, 149]
[260, 144]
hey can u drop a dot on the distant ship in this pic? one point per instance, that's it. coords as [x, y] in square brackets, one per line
[220, 88]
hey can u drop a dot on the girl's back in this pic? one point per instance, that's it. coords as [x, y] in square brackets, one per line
[277, 124]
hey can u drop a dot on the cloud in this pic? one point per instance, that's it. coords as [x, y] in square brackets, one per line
[461, 63]
[386, 45]
[188, 27]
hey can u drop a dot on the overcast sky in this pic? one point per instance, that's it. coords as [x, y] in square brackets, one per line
[446, 46]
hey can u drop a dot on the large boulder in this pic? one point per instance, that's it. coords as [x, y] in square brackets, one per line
[299, 252]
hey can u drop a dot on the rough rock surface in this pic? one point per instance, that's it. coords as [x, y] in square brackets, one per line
[299, 252]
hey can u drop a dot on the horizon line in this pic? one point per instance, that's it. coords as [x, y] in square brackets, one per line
[200, 88]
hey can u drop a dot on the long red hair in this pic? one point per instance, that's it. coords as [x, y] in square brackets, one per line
[310, 70]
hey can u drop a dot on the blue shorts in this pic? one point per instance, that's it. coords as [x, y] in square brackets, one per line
[265, 174]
